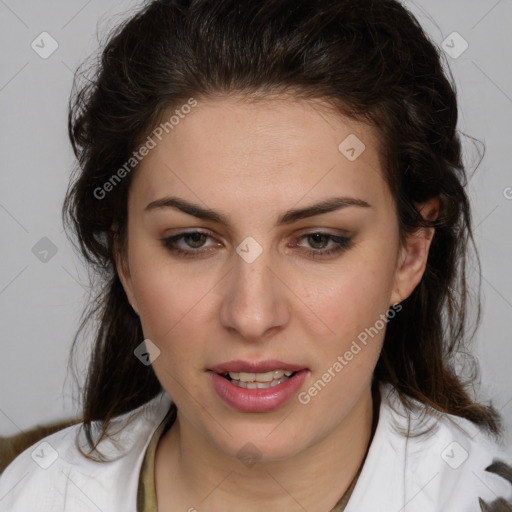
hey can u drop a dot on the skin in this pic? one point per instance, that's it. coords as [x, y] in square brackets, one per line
[252, 162]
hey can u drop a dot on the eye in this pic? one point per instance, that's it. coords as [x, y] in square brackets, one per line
[320, 243]
[196, 238]
[318, 240]
[193, 241]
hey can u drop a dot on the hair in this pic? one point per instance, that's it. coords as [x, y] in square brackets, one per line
[368, 59]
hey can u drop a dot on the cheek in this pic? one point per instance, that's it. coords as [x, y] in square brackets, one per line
[164, 297]
[354, 307]
[167, 304]
[173, 319]
[355, 295]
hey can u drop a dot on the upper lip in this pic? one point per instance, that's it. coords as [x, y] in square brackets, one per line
[255, 366]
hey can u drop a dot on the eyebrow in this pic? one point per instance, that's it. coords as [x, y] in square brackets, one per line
[289, 217]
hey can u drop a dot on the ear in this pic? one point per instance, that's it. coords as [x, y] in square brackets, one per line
[123, 268]
[412, 258]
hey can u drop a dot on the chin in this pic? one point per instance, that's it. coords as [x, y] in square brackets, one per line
[260, 448]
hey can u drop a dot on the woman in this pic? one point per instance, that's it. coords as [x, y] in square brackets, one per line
[272, 195]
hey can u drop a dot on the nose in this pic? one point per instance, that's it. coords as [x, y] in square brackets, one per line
[254, 302]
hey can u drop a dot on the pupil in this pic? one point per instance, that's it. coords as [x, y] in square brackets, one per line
[196, 237]
[317, 238]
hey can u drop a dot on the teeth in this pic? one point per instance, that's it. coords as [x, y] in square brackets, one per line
[259, 385]
[259, 377]
[259, 380]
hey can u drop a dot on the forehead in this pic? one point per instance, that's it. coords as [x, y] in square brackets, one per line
[280, 147]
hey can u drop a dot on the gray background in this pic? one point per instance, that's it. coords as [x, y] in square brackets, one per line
[41, 301]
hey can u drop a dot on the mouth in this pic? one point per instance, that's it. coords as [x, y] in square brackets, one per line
[257, 386]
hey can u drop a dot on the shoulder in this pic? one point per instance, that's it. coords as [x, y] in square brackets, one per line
[54, 475]
[449, 465]
[427, 460]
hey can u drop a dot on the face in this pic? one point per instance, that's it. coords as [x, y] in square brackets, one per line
[229, 266]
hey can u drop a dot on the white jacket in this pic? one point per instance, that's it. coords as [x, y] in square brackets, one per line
[438, 472]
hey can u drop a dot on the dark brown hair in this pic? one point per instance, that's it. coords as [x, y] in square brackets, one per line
[370, 60]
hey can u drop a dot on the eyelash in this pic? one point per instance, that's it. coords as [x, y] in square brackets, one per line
[342, 244]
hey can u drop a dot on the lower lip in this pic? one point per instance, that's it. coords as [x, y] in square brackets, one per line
[257, 400]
